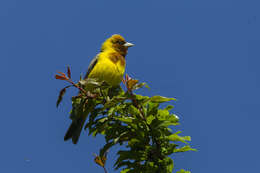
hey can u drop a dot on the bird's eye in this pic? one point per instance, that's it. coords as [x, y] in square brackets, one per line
[120, 42]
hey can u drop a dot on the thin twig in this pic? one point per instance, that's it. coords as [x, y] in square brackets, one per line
[87, 93]
[75, 85]
[105, 169]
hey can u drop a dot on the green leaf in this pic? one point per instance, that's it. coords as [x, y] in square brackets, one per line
[169, 164]
[170, 149]
[161, 99]
[125, 170]
[183, 149]
[90, 82]
[124, 119]
[183, 171]
[111, 111]
[166, 118]
[133, 110]
[163, 114]
[102, 120]
[133, 142]
[140, 85]
[149, 119]
[176, 137]
[130, 155]
[142, 99]
[152, 108]
[169, 107]
[116, 140]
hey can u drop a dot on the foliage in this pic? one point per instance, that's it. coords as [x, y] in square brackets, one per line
[137, 122]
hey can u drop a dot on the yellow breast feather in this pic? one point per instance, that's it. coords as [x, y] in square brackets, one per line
[110, 67]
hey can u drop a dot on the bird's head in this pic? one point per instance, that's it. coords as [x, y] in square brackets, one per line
[116, 42]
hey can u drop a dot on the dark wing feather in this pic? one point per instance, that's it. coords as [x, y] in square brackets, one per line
[91, 66]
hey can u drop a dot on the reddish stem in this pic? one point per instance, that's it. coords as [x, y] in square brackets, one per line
[105, 169]
[81, 89]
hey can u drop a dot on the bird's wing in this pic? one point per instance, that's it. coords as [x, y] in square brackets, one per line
[91, 66]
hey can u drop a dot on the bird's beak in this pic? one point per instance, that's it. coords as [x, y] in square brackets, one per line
[127, 44]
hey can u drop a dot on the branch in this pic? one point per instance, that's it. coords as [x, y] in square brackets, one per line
[126, 82]
[62, 76]
[105, 170]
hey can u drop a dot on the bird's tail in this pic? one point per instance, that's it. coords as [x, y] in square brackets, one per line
[75, 129]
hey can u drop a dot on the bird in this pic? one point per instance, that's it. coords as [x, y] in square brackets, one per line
[108, 66]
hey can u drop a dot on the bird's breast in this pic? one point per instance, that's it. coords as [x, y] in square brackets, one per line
[110, 68]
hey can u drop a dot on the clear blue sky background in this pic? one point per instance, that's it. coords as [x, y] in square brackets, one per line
[203, 52]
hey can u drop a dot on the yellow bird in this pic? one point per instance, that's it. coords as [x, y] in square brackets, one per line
[108, 66]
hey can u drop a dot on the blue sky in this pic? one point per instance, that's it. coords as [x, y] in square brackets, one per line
[204, 52]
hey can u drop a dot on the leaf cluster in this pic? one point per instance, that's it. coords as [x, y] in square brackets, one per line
[140, 123]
